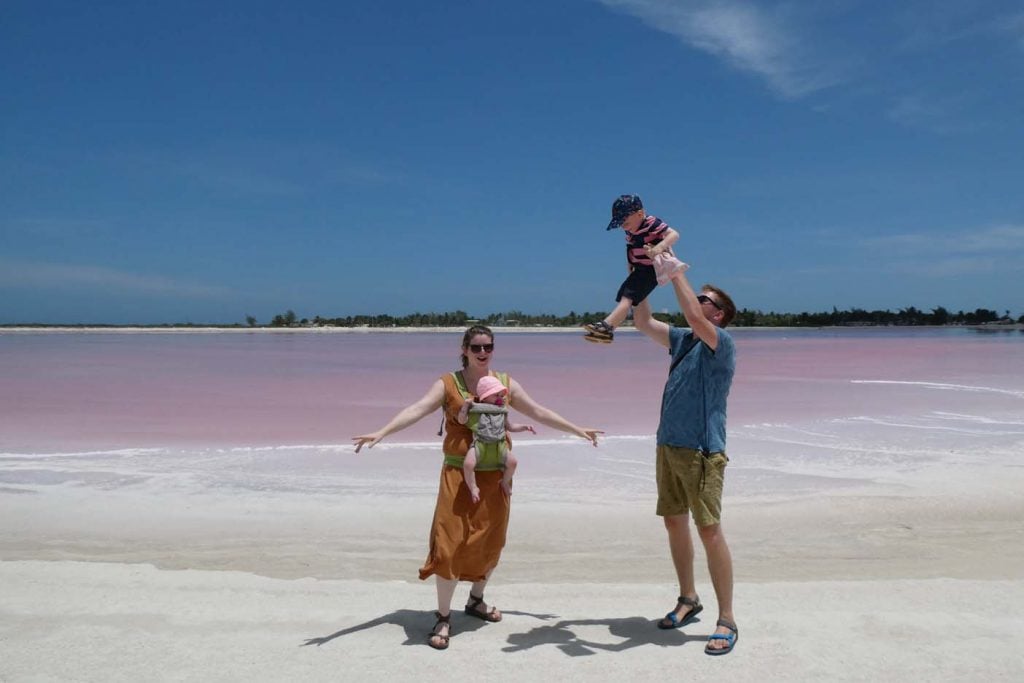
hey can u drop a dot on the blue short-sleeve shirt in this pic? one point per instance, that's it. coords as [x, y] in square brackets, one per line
[694, 400]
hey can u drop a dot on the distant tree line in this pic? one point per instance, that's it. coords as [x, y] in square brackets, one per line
[859, 316]
[744, 318]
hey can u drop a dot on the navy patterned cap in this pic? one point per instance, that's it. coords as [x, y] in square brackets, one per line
[623, 208]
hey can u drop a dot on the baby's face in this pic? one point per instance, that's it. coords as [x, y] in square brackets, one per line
[497, 399]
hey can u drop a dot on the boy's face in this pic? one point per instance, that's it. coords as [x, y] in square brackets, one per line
[633, 221]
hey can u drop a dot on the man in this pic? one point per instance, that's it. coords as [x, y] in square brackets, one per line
[691, 447]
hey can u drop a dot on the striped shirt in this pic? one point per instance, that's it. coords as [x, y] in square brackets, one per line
[651, 231]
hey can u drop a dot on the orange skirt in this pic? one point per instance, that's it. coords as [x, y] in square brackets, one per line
[466, 540]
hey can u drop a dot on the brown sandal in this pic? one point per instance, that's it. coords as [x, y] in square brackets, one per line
[443, 644]
[492, 616]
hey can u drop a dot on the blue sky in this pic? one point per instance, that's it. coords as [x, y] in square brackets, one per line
[201, 161]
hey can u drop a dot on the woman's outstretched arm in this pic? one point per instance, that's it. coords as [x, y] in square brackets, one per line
[409, 415]
[522, 402]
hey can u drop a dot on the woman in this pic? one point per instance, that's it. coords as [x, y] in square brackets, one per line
[466, 538]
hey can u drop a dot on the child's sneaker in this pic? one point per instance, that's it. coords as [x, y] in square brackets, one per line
[599, 332]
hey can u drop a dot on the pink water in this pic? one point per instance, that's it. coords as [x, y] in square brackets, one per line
[72, 392]
[233, 414]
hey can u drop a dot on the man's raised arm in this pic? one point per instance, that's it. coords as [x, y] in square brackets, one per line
[645, 322]
[703, 328]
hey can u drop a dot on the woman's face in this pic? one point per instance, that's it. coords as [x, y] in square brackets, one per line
[478, 353]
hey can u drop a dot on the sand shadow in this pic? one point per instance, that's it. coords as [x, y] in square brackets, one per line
[417, 625]
[630, 631]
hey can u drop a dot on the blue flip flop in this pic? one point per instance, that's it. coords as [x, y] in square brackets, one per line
[676, 622]
[729, 638]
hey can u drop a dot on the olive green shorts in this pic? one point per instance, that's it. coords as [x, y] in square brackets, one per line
[690, 482]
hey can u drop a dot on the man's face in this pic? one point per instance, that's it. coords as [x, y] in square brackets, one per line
[633, 221]
[709, 306]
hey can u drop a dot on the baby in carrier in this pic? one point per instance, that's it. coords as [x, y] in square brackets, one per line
[487, 418]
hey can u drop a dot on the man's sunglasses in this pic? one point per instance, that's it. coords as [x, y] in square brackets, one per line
[705, 299]
[480, 348]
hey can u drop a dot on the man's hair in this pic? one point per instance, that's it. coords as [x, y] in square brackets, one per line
[725, 301]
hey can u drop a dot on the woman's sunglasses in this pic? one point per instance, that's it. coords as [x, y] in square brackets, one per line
[480, 348]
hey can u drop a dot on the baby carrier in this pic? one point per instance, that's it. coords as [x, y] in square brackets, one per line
[487, 422]
[490, 422]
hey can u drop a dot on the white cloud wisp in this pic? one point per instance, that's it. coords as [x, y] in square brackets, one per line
[749, 37]
[37, 275]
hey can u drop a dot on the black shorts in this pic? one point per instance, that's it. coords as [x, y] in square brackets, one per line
[638, 286]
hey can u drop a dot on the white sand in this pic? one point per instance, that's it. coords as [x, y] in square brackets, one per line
[104, 622]
[216, 585]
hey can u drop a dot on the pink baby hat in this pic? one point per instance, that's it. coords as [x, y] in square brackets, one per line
[488, 386]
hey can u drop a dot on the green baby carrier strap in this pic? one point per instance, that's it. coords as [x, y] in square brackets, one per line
[460, 382]
[488, 455]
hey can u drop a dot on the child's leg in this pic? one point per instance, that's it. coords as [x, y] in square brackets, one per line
[510, 470]
[604, 331]
[619, 313]
[469, 474]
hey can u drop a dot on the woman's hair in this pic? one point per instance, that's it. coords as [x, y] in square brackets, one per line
[470, 333]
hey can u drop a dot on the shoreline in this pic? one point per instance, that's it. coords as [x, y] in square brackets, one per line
[214, 329]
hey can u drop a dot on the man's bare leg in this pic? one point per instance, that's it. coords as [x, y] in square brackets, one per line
[680, 543]
[720, 568]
